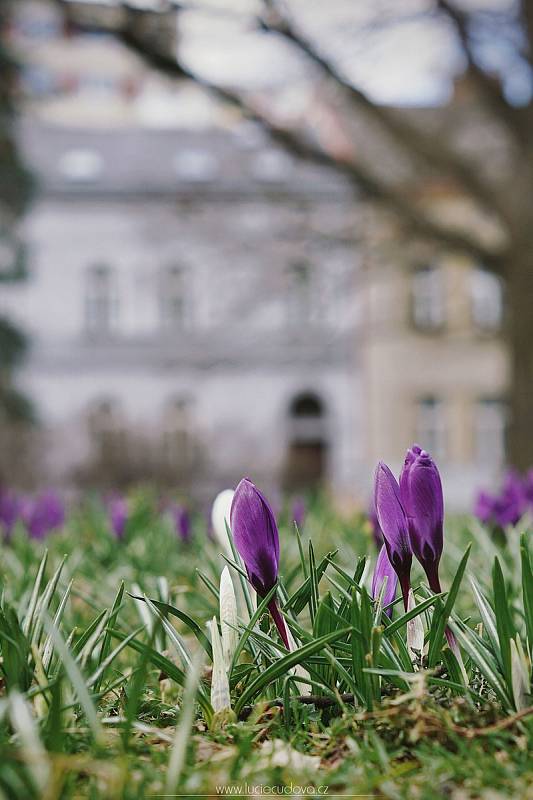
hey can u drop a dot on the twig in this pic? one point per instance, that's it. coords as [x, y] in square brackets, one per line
[471, 733]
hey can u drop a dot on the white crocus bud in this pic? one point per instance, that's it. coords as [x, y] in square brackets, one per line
[220, 515]
[520, 670]
[220, 697]
[228, 617]
[298, 670]
[415, 631]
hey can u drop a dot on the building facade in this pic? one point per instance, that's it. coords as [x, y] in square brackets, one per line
[190, 305]
[435, 367]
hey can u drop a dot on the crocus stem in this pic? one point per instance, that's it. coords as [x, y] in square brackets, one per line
[279, 621]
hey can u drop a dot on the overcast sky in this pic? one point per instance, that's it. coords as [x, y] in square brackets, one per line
[390, 49]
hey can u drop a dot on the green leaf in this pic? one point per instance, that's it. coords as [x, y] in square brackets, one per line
[527, 589]
[484, 662]
[504, 623]
[440, 617]
[489, 621]
[392, 627]
[181, 615]
[279, 668]
[300, 598]
[261, 608]
[106, 644]
[75, 676]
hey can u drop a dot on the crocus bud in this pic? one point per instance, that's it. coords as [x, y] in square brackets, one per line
[228, 617]
[220, 516]
[256, 538]
[298, 511]
[393, 523]
[421, 493]
[220, 696]
[415, 631]
[182, 523]
[384, 571]
[118, 516]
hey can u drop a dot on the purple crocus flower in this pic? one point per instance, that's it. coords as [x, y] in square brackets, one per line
[118, 513]
[421, 494]
[393, 522]
[384, 569]
[512, 504]
[10, 511]
[509, 505]
[484, 507]
[43, 514]
[182, 522]
[257, 540]
[298, 511]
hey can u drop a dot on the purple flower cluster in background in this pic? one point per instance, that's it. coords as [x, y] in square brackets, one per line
[41, 514]
[508, 506]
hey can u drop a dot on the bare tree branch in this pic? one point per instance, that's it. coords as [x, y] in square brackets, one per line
[526, 15]
[301, 146]
[412, 139]
[488, 85]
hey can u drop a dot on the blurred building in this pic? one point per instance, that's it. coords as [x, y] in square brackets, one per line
[190, 301]
[435, 368]
[203, 306]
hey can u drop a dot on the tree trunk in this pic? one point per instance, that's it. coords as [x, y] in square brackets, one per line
[520, 337]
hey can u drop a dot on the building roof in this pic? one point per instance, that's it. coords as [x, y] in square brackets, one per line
[141, 162]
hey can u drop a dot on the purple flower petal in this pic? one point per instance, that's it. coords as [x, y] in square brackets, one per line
[256, 537]
[393, 522]
[384, 569]
[421, 494]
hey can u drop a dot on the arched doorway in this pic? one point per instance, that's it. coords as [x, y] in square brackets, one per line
[305, 464]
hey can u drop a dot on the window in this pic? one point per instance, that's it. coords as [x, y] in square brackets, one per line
[195, 165]
[489, 432]
[271, 166]
[101, 304]
[431, 426]
[487, 300]
[300, 294]
[81, 166]
[177, 443]
[428, 310]
[173, 300]
[106, 430]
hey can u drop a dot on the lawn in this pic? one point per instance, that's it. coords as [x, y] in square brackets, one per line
[106, 663]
